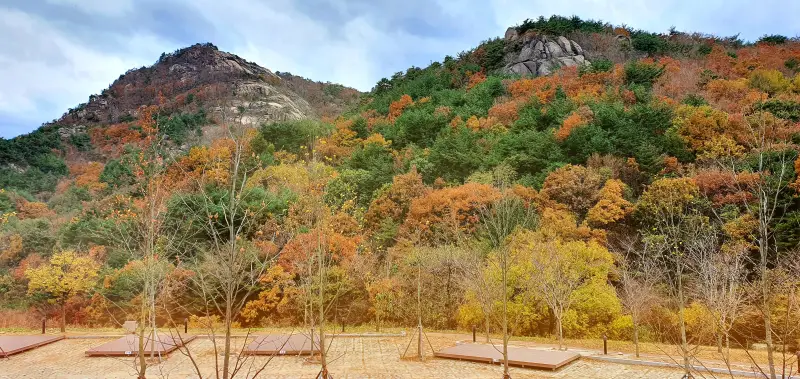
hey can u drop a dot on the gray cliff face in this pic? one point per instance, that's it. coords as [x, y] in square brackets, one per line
[538, 55]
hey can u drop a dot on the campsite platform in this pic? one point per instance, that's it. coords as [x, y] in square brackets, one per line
[10, 345]
[282, 344]
[129, 345]
[517, 356]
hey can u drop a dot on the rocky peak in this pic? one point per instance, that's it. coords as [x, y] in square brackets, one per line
[534, 54]
[200, 71]
[208, 58]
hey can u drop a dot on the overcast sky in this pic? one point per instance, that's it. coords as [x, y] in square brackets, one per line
[55, 53]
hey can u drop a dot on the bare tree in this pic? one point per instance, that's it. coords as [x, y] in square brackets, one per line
[142, 233]
[772, 156]
[477, 281]
[789, 272]
[228, 267]
[557, 271]
[671, 216]
[720, 281]
[499, 221]
[320, 287]
[639, 276]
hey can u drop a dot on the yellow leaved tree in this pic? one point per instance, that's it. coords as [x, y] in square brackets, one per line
[66, 274]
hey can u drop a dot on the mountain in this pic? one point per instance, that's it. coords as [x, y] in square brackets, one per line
[191, 87]
[202, 70]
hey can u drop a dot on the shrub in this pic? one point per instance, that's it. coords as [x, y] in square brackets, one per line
[774, 39]
[72, 200]
[293, 136]
[178, 127]
[560, 25]
[119, 172]
[643, 73]
[493, 54]
[597, 65]
[694, 99]
[650, 43]
[785, 109]
[40, 168]
[419, 126]
[481, 97]
[31, 180]
[704, 49]
[81, 141]
[769, 81]
[792, 63]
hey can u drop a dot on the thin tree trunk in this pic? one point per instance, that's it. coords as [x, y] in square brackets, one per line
[727, 353]
[636, 337]
[140, 353]
[560, 328]
[420, 355]
[486, 325]
[142, 361]
[764, 219]
[682, 322]
[153, 322]
[63, 317]
[767, 316]
[322, 353]
[727, 346]
[768, 341]
[227, 358]
[506, 375]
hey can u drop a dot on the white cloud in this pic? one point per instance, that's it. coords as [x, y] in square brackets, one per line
[43, 72]
[356, 52]
[101, 7]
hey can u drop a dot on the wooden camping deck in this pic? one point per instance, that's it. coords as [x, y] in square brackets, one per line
[10, 345]
[129, 345]
[517, 356]
[282, 344]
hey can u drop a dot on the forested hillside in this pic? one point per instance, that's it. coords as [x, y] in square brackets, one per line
[649, 186]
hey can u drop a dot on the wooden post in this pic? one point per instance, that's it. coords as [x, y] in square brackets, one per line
[605, 344]
[185, 325]
[420, 352]
[473, 333]
[44, 324]
[312, 343]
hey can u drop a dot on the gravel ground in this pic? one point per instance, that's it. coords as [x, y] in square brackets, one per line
[350, 358]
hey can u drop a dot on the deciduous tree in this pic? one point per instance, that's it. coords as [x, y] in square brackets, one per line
[66, 274]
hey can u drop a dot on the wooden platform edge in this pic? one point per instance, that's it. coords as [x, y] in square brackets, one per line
[90, 353]
[275, 353]
[510, 362]
[6, 354]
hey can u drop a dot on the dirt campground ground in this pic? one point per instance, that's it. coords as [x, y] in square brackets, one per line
[351, 357]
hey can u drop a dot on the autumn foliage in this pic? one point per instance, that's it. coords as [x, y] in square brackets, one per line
[448, 212]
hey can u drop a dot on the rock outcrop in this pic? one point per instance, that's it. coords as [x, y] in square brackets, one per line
[256, 102]
[537, 55]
